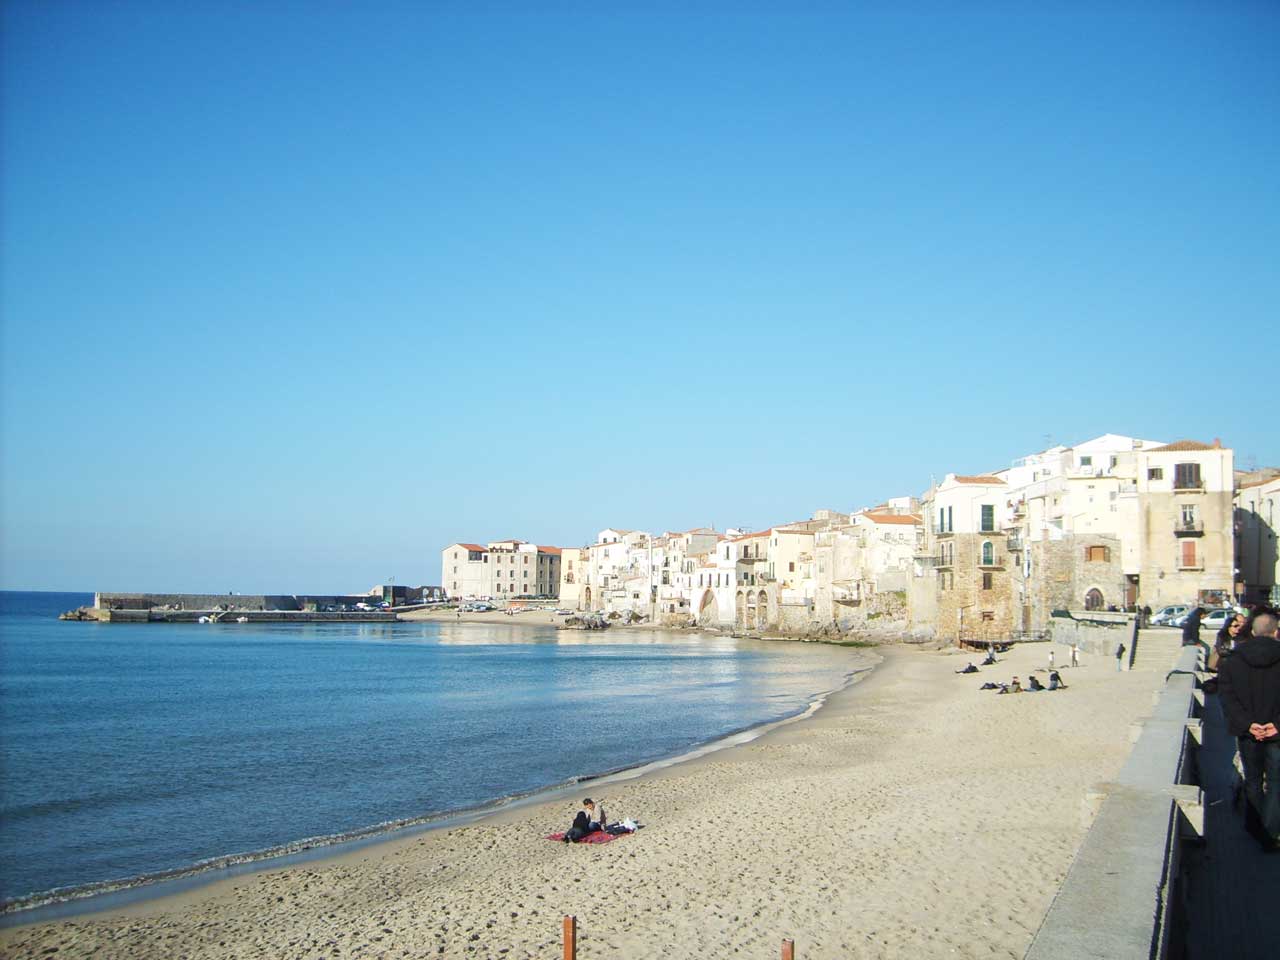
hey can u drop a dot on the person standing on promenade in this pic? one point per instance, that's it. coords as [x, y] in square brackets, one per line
[1249, 689]
[1051, 658]
[1120, 648]
[1191, 627]
[1075, 653]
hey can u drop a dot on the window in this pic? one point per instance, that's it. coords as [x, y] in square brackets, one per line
[986, 580]
[1188, 554]
[988, 518]
[1086, 461]
[988, 554]
[791, 568]
[1114, 461]
[1186, 476]
[1155, 473]
[988, 616]
[1188, 516]
[1097, 554]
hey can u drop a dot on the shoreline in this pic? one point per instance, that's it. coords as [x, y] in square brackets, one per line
[911, 815]
[106, 897]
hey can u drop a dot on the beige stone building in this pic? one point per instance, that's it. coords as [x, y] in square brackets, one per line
[1186, 524]
[501, 569]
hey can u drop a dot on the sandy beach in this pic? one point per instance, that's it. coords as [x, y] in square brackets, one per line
[913, 816]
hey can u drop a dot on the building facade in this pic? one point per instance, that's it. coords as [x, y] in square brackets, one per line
[501, 569]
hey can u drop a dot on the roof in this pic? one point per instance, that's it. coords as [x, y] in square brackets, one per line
[751, 536]
[1258, 483]
[474, 546]
[893, 518]
[1183, 446]
[618, 530]
[984, 478]
[555, 551]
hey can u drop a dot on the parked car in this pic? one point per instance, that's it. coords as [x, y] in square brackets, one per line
[1218, 619]
[1165, 616]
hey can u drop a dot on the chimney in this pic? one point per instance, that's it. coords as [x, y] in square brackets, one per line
[1217, 443]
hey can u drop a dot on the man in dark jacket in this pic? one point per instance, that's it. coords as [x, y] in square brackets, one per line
[1191, 627]
[1249, 689]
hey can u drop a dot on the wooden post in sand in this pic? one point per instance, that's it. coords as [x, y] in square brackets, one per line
[570, 938]
[788, 950]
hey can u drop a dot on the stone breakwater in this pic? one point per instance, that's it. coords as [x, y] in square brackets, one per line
[227, 607]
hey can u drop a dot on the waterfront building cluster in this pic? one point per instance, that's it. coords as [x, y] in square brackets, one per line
[1115, 523]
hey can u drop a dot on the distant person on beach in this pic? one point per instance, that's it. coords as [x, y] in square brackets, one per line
[1120, 648]
[968, 668]
[1249, 690]
[587, 820]
[1015, 686]
[1145, 619]
[1051, 658]
[1075, 653]
[1055, 681]
[595, 810]
[1034, 685]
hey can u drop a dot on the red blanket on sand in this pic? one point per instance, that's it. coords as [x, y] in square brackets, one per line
[599, 836]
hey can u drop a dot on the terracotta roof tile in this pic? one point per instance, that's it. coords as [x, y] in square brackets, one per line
[474, 546]
[1183, 446]
[893, 518]
[985, 478]
[554, 551]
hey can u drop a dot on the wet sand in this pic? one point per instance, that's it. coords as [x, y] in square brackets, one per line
[913, 816]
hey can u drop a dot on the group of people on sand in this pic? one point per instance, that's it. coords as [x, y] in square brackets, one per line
[1246, 656]
[1033, 684]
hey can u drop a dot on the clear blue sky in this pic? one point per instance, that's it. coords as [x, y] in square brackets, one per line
[294, 294]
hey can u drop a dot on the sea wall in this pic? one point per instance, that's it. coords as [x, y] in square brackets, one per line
[1095, 631]
[193, 601]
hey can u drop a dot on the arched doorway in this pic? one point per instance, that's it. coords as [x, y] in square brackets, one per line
[740, 610]
[586, 598]
[762, 610]
[708, 612]
[1093, 599]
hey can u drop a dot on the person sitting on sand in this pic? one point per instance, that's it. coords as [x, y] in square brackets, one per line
[1004, 688]
[1015, 687]
[583, 823]
[968, 668]
[991, 658]
[990, 686]
[1055, 681]
[595, 811]
[1034, 685]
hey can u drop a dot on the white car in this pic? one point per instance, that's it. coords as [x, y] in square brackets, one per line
[1218, 619]
[1166, 616]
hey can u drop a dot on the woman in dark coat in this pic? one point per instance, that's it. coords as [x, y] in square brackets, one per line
[1231, 634]
[1191, 627]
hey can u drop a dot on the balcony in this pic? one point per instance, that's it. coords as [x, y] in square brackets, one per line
[1015, 542]
[1189, 528]
[1188, 485]
[942, 531]
[996, 562]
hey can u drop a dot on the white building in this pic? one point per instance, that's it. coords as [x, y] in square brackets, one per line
[501, 569]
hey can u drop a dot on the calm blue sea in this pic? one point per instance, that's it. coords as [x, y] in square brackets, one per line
[129, 750]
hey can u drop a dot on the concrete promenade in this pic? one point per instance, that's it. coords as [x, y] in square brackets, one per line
[1167, 870]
